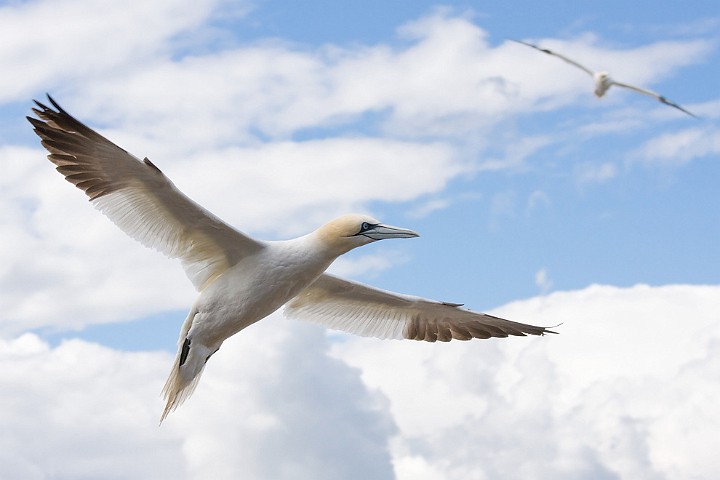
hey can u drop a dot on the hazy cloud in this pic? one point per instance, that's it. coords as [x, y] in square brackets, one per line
[678, 148]
[590, 173]
[543, 281]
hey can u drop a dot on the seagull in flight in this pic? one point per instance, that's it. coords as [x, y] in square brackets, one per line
[603, 81]
[242, 280]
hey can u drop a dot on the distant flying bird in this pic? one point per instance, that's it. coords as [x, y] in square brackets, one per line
[603, 81]
[242, 280]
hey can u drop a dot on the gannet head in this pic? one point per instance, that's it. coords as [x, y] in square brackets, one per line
[350, 231]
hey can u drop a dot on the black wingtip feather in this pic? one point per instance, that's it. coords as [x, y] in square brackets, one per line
[55, 104]
[34, 121]
[545, 330]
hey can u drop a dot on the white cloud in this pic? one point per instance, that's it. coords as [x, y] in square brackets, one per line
[679, 148]
[621, 122]
[294, 186]
[537, 199]
[515, 153]
[367, 265]
[543, 281]
[503, 205]
[90, 39]
[271, 404]
[82, 411]
[276, 89]
[625, 391]
[444, 79]
[431, 206]
[591, 173]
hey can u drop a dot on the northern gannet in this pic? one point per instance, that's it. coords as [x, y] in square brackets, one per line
[603, 81]
[242, 280]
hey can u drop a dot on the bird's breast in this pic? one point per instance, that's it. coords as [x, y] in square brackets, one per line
[255, 288]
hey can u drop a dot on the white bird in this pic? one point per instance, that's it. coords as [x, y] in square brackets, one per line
[603, 81]
[242, 280]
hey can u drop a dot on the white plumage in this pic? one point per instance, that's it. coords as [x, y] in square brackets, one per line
[242, 280]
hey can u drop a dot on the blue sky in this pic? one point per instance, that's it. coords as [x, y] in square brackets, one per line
[533, 199]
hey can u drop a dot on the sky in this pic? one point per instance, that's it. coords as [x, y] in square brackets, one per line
[534, 201]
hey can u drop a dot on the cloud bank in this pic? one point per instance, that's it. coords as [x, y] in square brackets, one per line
[283, 401]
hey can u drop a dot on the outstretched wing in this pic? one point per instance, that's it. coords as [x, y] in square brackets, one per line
[364, 310]
[562, 57]
[655, 95]
[139, 198]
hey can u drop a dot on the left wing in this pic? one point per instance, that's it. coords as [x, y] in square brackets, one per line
[650, 93]
[367, 311]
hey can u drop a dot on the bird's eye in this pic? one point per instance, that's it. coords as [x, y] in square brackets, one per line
[365, 226]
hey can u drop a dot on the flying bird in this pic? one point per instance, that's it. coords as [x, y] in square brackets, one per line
[603, 81]
[240, 279]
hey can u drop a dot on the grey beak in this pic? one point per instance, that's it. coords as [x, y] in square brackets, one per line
[381, 232]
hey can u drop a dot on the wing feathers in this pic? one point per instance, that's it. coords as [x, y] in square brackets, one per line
[655, 95]
[139, 198]
[364, 310]
[561, 57]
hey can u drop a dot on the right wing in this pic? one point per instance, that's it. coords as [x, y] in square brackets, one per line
[562, 57]
[364, 310]
[139, 198]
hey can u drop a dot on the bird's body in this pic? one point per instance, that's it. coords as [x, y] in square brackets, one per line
[242, 280]
[245, 293]
[603, 80]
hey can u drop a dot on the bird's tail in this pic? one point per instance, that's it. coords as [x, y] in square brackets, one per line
[185, 374]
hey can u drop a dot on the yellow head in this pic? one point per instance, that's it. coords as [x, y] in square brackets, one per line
[350, 231]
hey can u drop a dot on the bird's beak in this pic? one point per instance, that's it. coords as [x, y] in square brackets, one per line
[381, 232]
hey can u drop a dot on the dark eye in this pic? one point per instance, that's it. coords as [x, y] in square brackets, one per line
[365, 226]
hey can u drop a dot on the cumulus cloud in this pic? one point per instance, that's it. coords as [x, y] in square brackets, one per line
[295, 186]
[79, 410]
[278, 408]
[626, 390]
[91, 39]
[157, 87]
[607, 398]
